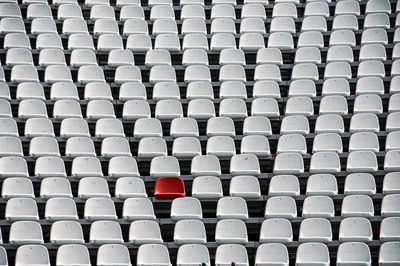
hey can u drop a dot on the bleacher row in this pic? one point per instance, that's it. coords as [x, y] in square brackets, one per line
[280, 121]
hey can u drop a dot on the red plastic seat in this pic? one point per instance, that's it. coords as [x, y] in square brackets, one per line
[169, 187]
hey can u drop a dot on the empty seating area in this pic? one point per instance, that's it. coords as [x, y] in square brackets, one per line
[192, 132]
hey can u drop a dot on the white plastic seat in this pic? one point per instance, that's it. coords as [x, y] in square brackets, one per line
[109, 42]
[389, 230]
[318, 207]
[10, 146]
[299, 105]
[390, 183]
[24, 73]
[112, 254]
[353, 252]
[253, 11]
[268, 72]
[232, 57]
[74, 127]
[295, 124]
[294, 143]
[125, 74]
[17, 187]
[55, 187]
[13, 167]
[374, 35]
[32, 255]
[244, 164]
[257, 125]
[135, 109]
[150, 147]
[197, 73]
[199, 90]
[393, 103]
[186, 147]
[164, 26]
[168, 109]
[251, 41]
[99, 209]
[272, 253]
[321, 184]
[97, 91]
[232, 89]
[340, 53]
[284, 185]
[223, 11]
[118, 58]
[48, 57]
[220, 126]
[132, 91]
[138, 209]
[194, 57]
[105, 26]
[43, 24]
[205, 165]
[162, 73]
[105, 232]
[26, 232]
[63, 91]
[195, 41]
[281, 207]
[288, 163]
[74, 25]
[80, 41]
[19, 56]
[79, 146]
[347, 8]
[186, 208]
[357, 206]
[101, 11]
[57, 73]
[230, 231]
[228, 253]
[221, 146]
[70, 254]
[88, 74]
[43, 146]
[10, 10]
[316, 9]
[167, 41]
[232, 208]
[315, 23]
[189, 232]
[392, 122]
[184, 127]
[310, 39]
[193, 254]
[164, 166]
[16, 40]
[355, 229]
[388, 253]
[70, 10]
[201, 109]
[269, 56]
[327, 142]
[162, 12]
[31, 108]
[371, 69]
[312, 253]
[267, 107]
[122, 166]
[338, 70]
[362, 161]
[336, 86]
[66, 232]
[130, 187]
[342, 37]
[308, 55]
[21, 209]
[315, 230]
[223, 25]
[86, 166]
[38, 127]
[133, 26]
[364, 141]
[255, 144]
[369, 85]
[390, 205]
[378, 7]
[8, 127]
[207, 187]
[364, 123]
[90, 187]
[372, 52]
[60, 209]
[192, 12]
[193, 26]
[157, 57]
[276, 230]
[138, 43]
[345, 22]
[245, 187]
[255, 25]
[220, 41]
[146, 255]
[12, 25]
[115, 146]
[284, 10]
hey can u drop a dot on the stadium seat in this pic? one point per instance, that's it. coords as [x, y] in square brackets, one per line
[169, 187]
